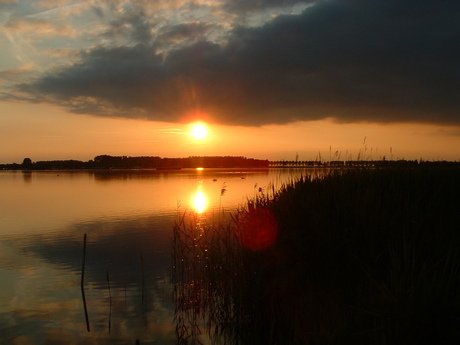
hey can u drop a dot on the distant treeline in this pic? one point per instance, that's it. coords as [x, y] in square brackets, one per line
[155, 162]
[145, 162]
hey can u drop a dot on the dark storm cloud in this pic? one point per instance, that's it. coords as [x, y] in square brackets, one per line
[133, 24]
[241, 6]
[376, 60]
[184, 32]
[111, 82]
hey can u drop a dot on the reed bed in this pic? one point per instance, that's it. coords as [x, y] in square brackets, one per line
[366, 256]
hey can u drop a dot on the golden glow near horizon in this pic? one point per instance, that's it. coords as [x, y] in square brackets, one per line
[50, 138]
[199, 130]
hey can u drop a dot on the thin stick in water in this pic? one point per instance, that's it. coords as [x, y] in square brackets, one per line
[143, 279]
[83, 282]
[110, 301]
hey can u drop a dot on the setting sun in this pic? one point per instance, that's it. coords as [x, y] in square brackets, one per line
[199, 131]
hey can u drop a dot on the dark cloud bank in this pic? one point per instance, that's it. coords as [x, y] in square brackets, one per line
[374, 60]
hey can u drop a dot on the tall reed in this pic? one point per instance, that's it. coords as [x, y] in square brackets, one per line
[361, 257]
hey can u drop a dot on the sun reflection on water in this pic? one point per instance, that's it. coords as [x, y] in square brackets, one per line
[199, 201]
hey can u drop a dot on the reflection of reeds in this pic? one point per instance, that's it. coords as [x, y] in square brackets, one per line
[201, 257]
[362, 257]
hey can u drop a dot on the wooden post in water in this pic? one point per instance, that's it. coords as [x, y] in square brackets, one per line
[143, 290]
[83, 282]
[110, 301]
[142, 287]
[83, 262]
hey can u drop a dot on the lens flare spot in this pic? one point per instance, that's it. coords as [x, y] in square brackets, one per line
[258, 229]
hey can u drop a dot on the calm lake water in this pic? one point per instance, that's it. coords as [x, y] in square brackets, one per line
[128, 217]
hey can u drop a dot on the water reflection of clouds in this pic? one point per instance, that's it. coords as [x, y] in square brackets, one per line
[45, 301]
[57, 325]
[115, 245]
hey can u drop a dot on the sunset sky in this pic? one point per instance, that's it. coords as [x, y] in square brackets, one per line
[269, 78]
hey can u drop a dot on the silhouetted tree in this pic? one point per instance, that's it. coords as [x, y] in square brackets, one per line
[26, 163]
